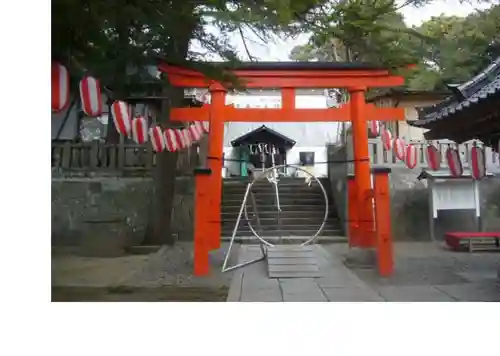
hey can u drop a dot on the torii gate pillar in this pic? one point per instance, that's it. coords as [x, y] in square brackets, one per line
[215, 158]
[364, 204]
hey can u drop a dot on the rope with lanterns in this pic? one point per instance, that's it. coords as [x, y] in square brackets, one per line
[409, 153]
[126, 124]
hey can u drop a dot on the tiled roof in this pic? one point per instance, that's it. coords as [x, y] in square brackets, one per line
[482, 86]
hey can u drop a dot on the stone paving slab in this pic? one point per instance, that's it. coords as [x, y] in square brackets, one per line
[338, 279]
[352, 294]
[414, 294]
[301, 289]
[472, 292]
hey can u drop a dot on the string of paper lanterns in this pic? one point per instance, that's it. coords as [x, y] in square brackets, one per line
[171, 139]
[409, 153]
[123, 117]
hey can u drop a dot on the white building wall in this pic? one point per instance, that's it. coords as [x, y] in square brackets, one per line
[309, 136]
[292, 157]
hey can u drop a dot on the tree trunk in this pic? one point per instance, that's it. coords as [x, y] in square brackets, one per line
[164, 175]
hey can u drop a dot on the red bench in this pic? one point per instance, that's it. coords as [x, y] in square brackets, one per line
[457, 240]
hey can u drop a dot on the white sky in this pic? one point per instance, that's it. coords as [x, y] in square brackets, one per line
[280, 50]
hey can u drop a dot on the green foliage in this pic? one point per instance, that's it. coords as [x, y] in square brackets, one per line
[359, 30]
[459, 48]
[445, 49]
[104, 37]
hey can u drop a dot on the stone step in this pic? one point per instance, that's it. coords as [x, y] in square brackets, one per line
[285, 192]
[283, 232]
[281, 190]
[284, 218]
[264, 214]
[271, 194]
[274, 227]
[317, 220]
[292, 200]
[290, 240]
[284, 207]
[270, 187]
[282, 180]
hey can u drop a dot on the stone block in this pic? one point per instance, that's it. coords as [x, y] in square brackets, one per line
[422, 293]
[262, 296]
[339, 280]
[473, 292]
[301, 290]
[352, 294]
[304, 297]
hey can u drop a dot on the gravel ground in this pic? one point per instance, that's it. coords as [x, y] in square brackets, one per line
[164, 275]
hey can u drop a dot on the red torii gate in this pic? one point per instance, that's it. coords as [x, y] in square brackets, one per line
[289, 76]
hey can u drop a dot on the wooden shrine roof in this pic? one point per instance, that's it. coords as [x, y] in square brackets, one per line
[465, 97]
[407, 94]
[256, 134]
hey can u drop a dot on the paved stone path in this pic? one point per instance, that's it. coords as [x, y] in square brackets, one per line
[338, 284]
[424, 273]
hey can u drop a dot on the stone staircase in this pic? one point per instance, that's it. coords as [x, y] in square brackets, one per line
[303, 209]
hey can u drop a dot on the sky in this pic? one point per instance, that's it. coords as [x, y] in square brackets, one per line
[280, 50]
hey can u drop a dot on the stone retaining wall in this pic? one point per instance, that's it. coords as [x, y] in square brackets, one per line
[410, 208]
[77, 200]
[410, 202]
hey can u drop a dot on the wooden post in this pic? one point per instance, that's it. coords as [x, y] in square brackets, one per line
[67, 153]
[215, 151]
[362, 166]
[201, 229]
[352, 212]
[121, 153]
[385, 258]
[94, 154]
[149, 156]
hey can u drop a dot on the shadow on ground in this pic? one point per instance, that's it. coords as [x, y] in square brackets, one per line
[165, 275]
[135, 294]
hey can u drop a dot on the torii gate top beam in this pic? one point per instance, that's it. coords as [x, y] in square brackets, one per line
[290, 75]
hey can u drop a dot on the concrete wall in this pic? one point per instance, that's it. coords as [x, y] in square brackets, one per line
[410, 208]
[77, 200]
[337, 173]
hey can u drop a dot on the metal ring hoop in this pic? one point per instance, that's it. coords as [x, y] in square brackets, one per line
[325, 195]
